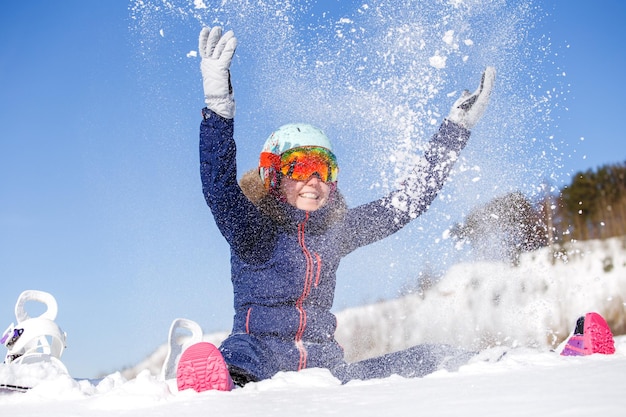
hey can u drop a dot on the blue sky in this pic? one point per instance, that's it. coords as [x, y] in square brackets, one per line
[100, 106]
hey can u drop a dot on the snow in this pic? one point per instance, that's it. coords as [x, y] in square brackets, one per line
[199, 4]
[523, 383]
[537, 304]
[448, 37]
[437, 61]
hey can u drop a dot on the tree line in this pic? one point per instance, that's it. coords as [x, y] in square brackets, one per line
[592, 206]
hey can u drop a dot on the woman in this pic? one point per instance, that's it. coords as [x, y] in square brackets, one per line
[288, 228]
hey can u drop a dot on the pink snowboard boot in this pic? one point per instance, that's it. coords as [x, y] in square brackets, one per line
[591, 335]
[201, 367]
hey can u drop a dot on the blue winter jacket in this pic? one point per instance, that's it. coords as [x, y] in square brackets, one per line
[284, 260]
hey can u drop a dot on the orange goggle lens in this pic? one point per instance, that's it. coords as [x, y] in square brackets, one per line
[303, 162]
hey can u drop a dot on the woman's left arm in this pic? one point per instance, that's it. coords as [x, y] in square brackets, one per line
[376, 220]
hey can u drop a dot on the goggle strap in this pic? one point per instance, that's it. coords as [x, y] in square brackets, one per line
[269, 159]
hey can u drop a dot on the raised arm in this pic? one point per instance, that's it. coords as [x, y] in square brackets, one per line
[378, 219]
[237, 218]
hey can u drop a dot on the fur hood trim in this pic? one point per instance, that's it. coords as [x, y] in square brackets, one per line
[253, 188]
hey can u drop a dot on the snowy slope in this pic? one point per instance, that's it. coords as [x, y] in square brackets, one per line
[525, 310]
[484, 304]
[523, 383]
[481, 305]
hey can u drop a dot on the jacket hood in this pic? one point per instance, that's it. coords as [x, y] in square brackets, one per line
[283, 213]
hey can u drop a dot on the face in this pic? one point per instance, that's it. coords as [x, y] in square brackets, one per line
[309, 195]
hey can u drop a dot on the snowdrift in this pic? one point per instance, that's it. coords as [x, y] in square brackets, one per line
[485, 304]
[522, 311]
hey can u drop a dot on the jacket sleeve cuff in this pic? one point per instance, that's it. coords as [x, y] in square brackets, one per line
[208, 113]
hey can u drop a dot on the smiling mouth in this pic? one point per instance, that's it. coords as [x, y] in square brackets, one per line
[309, 196]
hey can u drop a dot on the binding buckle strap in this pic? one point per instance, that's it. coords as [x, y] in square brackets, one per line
[39, 335]
[10, 336]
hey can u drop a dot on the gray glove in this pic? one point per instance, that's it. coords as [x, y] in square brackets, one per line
[217, 53]
[468, 109]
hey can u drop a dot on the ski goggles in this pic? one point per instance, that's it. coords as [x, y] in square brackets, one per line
[303, 162]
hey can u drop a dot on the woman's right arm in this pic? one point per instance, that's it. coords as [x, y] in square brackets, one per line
[237, 218]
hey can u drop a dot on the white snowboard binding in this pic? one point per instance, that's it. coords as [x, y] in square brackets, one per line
[183, 333]
[32, 341]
